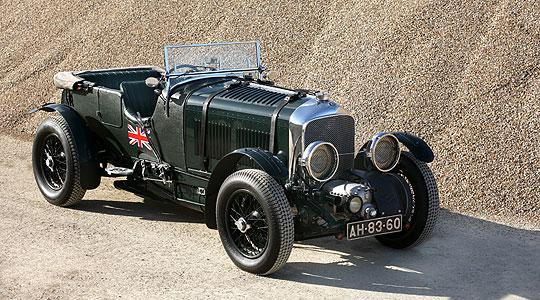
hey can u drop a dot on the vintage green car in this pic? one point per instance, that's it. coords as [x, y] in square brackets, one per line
[267, 165]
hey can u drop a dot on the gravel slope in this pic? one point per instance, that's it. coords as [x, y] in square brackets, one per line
[462, 74]
[114, 245]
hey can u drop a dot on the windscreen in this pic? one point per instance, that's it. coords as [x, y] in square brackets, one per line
[207, 58]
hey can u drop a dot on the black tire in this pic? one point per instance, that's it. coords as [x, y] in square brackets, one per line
[56, 163]
[263, 199]
[419, 224]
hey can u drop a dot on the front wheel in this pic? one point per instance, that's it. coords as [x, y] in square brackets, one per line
[254, 221]
[418, 224]
[56, 163]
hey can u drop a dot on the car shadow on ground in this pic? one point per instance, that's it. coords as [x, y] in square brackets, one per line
[147, 209]
[467, 258]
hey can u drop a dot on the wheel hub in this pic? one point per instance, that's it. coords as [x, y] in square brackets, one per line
[49, 161]
[242, 225]
[53, 162]
[247, 225]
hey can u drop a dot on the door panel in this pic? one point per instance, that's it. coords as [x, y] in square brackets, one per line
[110, 107]
[169, 132]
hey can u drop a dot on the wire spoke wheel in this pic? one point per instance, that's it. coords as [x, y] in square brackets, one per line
[247, 224]
[254, 221]
[53, 162]
[56, 163]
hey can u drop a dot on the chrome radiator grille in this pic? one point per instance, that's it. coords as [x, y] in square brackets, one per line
[338, 130]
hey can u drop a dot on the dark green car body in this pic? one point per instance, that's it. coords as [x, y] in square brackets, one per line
[190, 134]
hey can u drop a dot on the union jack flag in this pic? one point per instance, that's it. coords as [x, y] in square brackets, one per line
[137, 136]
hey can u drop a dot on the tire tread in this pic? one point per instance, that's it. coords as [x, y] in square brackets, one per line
[433, 198]
[77, 192]
[277, 200]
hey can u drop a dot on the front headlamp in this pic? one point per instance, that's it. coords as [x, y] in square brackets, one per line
[321, 160]
[384, 151]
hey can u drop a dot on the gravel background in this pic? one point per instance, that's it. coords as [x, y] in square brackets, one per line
[461, 74]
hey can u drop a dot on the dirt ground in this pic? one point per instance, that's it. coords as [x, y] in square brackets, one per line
[115, 245]
[464, 75]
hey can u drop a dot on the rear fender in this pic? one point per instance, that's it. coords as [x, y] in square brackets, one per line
[228, 165]
[89, 165]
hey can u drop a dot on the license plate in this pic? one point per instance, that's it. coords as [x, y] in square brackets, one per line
[360, 229]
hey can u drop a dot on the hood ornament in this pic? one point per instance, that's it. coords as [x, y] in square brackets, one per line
[322, 96]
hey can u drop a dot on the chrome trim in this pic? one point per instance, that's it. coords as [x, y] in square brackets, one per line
[215, 72]
[313, 109]
[273, 89]
[308, 153]
[259, 64]
[189, 201]
[310, 110]
[348, 189]
[374, 140]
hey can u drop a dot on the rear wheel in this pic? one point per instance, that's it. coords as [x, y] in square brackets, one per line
[418, 224]
[254, 221]
[56, 163]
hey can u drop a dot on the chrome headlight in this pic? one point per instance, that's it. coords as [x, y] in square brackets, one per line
[384, 151]
[321, 160]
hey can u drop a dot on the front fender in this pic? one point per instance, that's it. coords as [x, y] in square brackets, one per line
[262, 159]
[418, 147]
[90, 172]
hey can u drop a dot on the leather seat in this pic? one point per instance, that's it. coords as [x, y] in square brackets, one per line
[138, 97]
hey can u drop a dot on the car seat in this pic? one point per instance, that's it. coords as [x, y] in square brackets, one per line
[138, 98]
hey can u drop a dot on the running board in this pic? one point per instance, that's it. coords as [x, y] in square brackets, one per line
[117, 172]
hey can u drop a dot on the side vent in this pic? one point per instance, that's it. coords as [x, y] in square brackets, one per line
[218, 139]
[246, 138]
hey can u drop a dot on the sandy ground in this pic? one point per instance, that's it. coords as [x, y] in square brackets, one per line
[115, 245]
